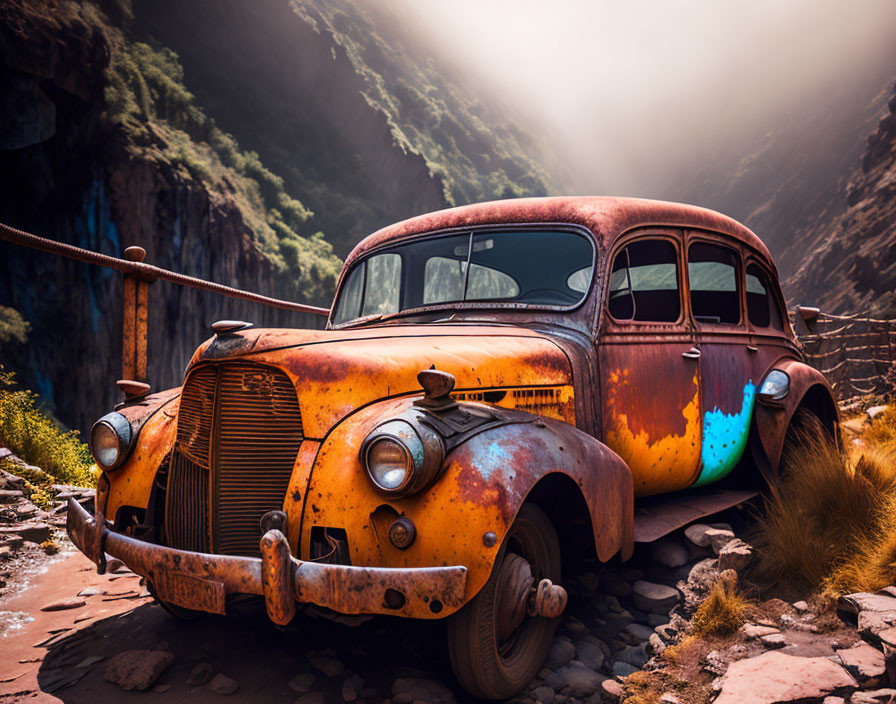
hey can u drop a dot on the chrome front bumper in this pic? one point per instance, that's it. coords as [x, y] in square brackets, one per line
[202, 582]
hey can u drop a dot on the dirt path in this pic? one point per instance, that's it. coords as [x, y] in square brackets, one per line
[244, 646]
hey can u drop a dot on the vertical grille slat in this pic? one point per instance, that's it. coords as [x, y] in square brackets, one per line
[186, 511]
[238, 436]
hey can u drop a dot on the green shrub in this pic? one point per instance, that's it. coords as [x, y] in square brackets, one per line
[33, 436]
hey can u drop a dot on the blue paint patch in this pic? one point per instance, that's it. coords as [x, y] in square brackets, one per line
[496, 457]
[725, 438]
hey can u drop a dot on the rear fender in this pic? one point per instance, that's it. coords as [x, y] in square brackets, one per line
[808, 390]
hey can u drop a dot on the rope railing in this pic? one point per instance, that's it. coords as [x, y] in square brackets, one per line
[147, 272]
[135, 310]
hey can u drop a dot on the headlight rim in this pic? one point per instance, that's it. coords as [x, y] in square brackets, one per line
[424, 447]
[121, 428]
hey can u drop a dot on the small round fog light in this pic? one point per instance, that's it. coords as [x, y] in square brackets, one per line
[402, 533]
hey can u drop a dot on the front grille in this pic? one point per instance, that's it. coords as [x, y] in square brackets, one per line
[238, 435]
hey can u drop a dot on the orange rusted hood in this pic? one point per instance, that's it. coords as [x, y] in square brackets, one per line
[337, 371]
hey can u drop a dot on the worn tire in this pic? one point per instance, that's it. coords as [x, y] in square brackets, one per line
[488, 669]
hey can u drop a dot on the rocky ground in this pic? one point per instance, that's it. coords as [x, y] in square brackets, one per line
[69, 634]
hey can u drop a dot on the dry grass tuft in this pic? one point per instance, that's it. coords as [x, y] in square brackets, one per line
[882, 432]
[831, 522]
[723, 611]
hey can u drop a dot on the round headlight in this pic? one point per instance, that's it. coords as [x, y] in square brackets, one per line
[775, 386]
[402, 457]
[389, 464]
[110, 439]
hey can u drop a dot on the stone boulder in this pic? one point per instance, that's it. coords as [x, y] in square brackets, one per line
[735, 555]
[655, 598]
[863, 661]
[576, 680]
[137, 669]
[778, 678]
[406, 690]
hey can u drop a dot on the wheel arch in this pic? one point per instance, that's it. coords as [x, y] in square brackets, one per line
[809, 392]
[562, 500]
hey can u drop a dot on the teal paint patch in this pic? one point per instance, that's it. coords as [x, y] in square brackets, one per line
[496, 457]
[725, 438]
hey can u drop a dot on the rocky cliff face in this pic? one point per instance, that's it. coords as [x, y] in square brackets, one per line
[852, 264]
[791, 187]
[242, 164]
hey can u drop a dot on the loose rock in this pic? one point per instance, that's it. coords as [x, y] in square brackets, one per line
[222, 684]
[612, 689]
[406, 690]
[669, 552]
[623, 669]
[863, 661]
[575, 679]
[590, 653]
[200, 674]
[543, 694]
[301, 682]
[773, 678]
[312, 698]
[64, 605]
[735, 555]
[877, 696]
[696, 533]
[773, 640]
[137, 669]
[561, 652]
[656, 598]
[751, 631]
[719, 538]
[352, 687]
[330, 667]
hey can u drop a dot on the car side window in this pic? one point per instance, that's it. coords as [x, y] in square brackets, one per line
[373, 287]
[644, 283]
[713, 274]
[762, 307]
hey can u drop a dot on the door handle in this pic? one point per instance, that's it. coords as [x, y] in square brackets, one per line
[751, 348]
[692, 353]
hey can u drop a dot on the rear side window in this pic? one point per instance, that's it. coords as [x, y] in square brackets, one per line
[644, 283]
[762, 308]
[713, 274]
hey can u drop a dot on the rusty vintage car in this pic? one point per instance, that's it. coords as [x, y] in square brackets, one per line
[500, 388]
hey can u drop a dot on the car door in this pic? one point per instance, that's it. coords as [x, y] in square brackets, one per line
[649, 367]
[727, 372]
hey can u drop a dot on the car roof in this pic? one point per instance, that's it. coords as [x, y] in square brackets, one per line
[606, 217]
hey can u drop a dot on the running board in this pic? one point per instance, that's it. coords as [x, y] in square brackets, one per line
[656, 516]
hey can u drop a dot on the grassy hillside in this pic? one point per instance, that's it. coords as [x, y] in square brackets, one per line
[146, 101]
[475, 154]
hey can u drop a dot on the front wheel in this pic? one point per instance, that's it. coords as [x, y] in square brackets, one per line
[496, 645]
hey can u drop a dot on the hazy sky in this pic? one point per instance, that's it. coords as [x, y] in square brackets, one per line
[614, 82]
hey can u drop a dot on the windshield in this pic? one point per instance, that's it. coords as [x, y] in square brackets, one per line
[534, 267]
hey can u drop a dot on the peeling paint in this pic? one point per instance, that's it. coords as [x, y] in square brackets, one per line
[658, 464]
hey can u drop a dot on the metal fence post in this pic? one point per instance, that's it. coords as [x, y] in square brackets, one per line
[135, 320]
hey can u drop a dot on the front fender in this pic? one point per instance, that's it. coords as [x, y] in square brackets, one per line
[153, 422]
[808, 389]
[484, 483]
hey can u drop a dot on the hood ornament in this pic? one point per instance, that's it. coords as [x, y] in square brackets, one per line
[437, 387]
